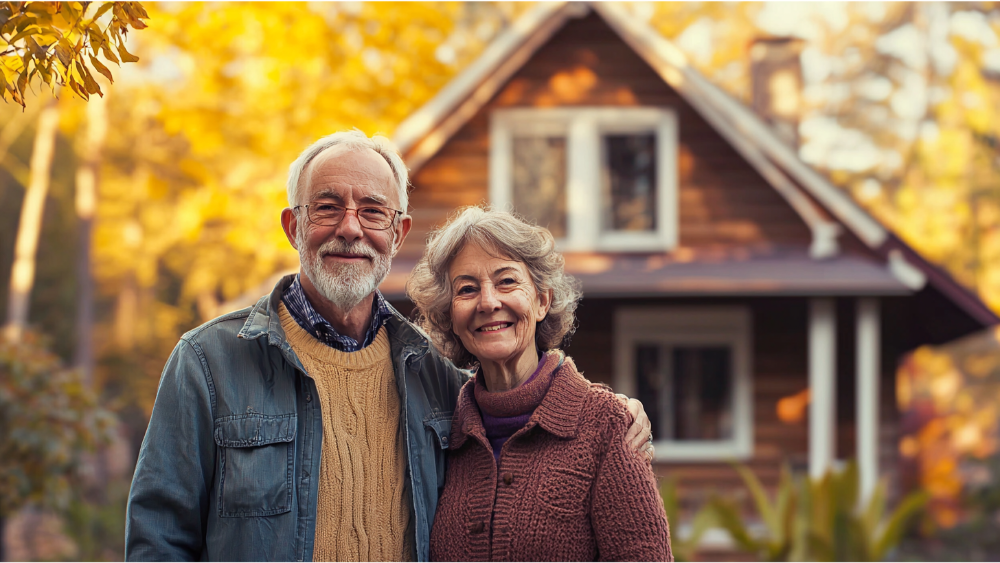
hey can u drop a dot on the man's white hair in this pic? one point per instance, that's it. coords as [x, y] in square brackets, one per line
[354, 140]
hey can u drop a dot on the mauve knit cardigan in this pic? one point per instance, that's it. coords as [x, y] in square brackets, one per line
[567, 488]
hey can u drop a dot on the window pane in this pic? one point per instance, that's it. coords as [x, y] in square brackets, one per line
[629, 179]
[703, 392]
[649, 375]
[540, 181]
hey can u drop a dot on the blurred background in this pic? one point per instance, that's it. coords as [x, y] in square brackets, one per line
[157, 209]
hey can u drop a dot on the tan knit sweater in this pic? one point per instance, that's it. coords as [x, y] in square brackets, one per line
[362, 513]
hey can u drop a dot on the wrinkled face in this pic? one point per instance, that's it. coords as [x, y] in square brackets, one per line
[346, 262]
[494, 305]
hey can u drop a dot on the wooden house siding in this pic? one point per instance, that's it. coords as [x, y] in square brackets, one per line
[722, 200]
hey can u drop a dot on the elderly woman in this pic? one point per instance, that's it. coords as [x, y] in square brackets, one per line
[539, 469]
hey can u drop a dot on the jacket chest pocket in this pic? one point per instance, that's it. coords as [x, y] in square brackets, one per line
[440, 424]
[256, 459]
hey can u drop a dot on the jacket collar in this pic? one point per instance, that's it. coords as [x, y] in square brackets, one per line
[558, 414]
[406, 335]
[263, 320]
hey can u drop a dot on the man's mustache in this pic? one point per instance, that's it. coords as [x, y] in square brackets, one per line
[341, 247]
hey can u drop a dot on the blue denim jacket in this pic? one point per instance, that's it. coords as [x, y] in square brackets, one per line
[229, 466]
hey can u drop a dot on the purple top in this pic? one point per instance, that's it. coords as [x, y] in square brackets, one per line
[506, 412]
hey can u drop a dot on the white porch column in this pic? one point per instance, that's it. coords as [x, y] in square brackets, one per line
[822, 385]
[867, 353]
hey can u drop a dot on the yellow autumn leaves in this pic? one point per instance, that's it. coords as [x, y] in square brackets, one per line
[58, 43]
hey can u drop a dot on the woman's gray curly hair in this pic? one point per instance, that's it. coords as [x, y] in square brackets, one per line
[505, 235]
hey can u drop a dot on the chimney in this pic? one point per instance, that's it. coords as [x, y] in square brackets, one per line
[776, 84]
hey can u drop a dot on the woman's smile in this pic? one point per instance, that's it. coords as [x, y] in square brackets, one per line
[495, 327]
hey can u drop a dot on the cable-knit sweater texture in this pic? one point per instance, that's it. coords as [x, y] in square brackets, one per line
[362, 509]
[567, 487]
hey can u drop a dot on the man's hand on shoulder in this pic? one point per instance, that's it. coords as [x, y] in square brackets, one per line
[640, 435]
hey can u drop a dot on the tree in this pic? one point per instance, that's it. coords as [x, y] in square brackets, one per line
[87, 175]
[22, 274]
[900, 106]
[50, 40]
[57, 43]
[48, 419]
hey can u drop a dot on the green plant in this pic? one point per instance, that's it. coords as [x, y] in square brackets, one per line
[844, 528]
[683, 549]
[783, 540]
[819, 520]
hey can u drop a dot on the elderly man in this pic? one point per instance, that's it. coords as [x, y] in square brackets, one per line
[313, 425]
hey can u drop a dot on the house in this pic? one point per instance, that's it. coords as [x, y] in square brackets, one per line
[756, 310]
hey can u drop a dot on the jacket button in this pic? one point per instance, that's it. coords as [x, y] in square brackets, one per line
[476, 527]
[309, 397]
[508, 478]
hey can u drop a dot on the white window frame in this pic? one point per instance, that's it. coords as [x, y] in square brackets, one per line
[583, 127]
[692, 326]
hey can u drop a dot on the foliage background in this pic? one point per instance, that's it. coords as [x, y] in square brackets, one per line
[900, 107]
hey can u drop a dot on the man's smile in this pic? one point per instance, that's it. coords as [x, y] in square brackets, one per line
[346, 257]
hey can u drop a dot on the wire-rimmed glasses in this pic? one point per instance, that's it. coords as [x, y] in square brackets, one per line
[374, 217]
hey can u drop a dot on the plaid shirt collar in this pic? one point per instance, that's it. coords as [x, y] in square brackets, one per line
[312, 322]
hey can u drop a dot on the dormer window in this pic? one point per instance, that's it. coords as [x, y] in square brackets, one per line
[598, 178]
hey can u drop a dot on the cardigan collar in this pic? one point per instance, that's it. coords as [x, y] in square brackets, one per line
[524, 398]
[558, 414]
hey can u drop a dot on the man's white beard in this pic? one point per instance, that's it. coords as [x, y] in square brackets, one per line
[345, 285]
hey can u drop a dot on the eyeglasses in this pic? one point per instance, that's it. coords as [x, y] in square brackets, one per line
[372, 217]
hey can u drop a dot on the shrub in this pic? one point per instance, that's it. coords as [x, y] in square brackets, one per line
[48, 419]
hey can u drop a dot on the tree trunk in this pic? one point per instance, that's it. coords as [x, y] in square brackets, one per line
[87, 175]
[22, 275]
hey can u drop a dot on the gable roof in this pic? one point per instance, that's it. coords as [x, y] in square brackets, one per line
[812, 196]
